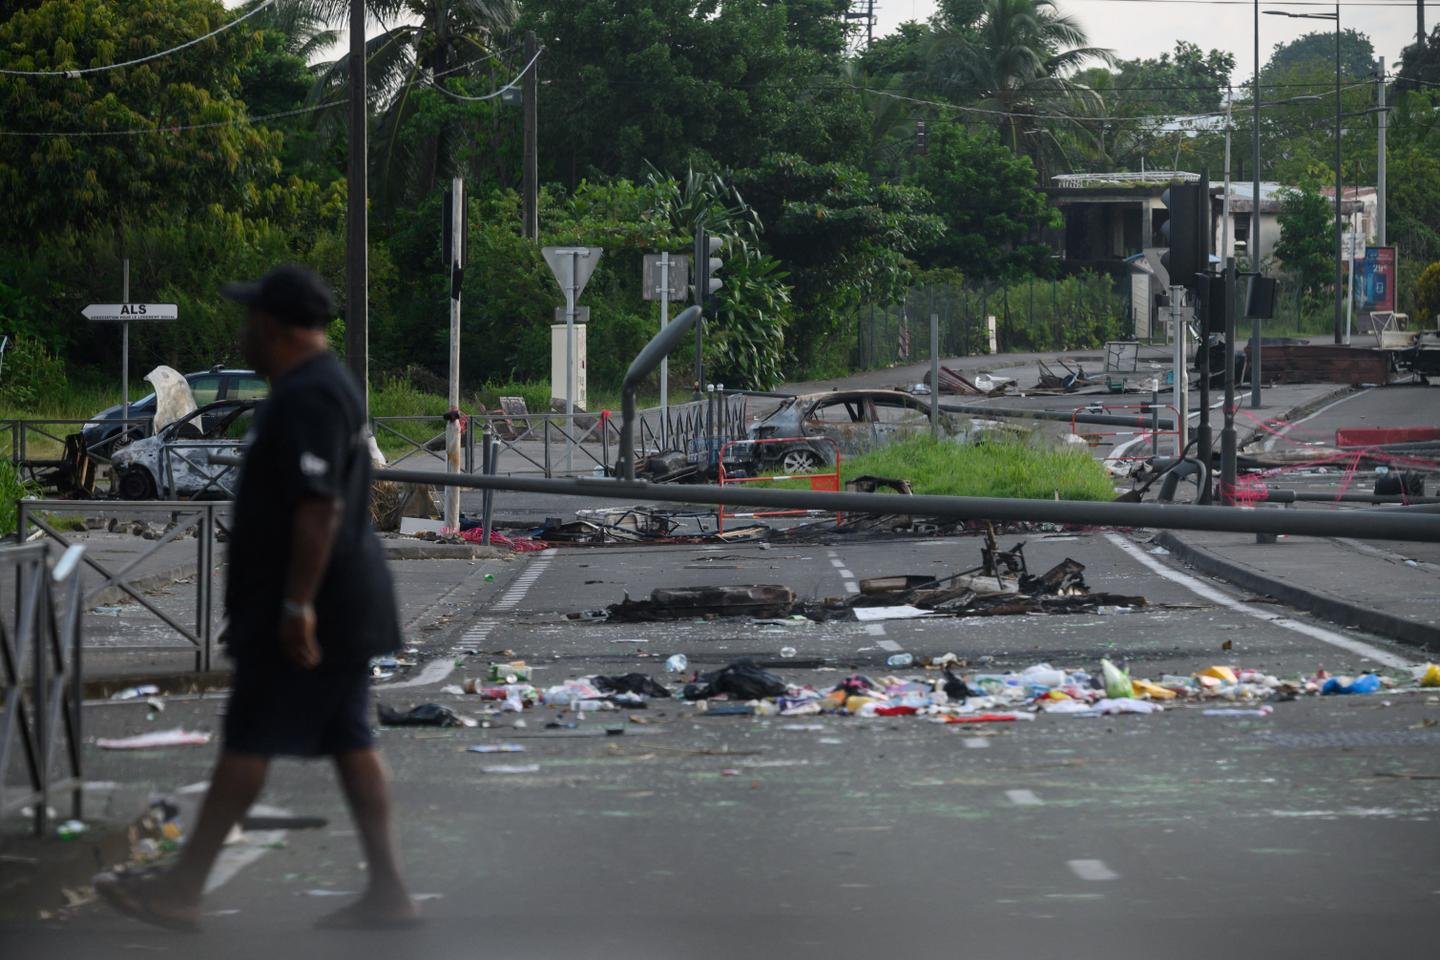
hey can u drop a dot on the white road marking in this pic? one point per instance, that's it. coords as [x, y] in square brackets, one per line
[889, 646]
[238, 856]
[845, 573]
[1279, 435]
[434, 672]
[851, 586]
[875, 629]
[526, 580]
[1202, 589]
[831, 553]
[1023, 798]
[1091, 870]
[836, 562]
[976, 743]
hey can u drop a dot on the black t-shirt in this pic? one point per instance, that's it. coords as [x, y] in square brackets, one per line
[309, 441]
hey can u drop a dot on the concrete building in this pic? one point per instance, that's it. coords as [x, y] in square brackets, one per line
[1113, 221]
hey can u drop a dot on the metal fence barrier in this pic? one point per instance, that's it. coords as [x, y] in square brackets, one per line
[206, 519]
[39, 448]
[40, 679]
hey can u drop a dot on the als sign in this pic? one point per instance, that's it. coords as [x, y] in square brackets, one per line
[1378, 284]
[125, 312]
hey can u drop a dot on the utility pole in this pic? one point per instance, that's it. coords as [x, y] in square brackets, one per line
[1227, 433]
[357, 299]
[125, 349]
[453, 249]
[1179, 332]
[1253, 244]
[665, 361]
[531, 227]
[1225, 250]
[1339, 332]
[1380, 157]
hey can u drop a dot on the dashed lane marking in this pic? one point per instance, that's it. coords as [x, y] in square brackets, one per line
[525, 581]
[889, 646]
[1023, 798]
[976, 743]
[875, 629]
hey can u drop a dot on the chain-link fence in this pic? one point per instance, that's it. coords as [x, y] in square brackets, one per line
[1030, 315]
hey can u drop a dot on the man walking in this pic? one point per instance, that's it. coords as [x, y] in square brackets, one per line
[309, 601]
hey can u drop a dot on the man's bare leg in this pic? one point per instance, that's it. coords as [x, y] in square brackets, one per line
[363, 777]
[173, 898]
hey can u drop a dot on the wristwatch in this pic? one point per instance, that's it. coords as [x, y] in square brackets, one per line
[292, 608]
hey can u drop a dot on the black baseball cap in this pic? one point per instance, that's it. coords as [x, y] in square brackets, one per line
[292, 294]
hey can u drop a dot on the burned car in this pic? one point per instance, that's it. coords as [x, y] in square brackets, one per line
[805, 431]
[175, 462]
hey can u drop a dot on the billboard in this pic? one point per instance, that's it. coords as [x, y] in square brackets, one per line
[1377, 280]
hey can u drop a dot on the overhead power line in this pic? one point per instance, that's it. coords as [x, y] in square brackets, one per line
[75, 73]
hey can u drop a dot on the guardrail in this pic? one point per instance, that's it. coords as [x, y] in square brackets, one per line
[828, 480]
[40, 680]
[206, 519]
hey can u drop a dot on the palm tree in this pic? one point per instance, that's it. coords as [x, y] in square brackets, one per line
[435, 44]
[1016, 58]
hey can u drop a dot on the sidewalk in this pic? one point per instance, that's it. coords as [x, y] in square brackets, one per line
[1384, 589]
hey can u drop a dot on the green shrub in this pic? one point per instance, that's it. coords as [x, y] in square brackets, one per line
[1008, 468]
[12, 488]
[32, 375]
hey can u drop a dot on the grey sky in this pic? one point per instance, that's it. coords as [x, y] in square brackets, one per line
[1146, 29]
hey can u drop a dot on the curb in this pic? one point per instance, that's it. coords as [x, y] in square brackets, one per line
[1409, 632]
[421, 550]
[1302, 410]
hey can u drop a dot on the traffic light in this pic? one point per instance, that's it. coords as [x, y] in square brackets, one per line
[1210, 303]
[1187, 233]
[707, 264]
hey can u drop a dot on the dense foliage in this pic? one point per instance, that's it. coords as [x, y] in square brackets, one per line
[760, 119]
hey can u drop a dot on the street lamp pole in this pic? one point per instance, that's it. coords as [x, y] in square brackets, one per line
[1339, 320]
[1338, 326]
[1253, 247]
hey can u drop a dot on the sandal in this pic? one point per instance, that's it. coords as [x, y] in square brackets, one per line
[132, 892]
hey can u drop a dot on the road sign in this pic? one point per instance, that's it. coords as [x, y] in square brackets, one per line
[679, 277]
[125, 312]
[572, 266]
[582, 315]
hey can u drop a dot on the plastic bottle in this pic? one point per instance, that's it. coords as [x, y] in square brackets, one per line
[900, 660]
[1043, 675]
[677, 663]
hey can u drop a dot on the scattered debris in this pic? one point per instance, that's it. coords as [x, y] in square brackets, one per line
[424, 715]
[984, 384]
[159, 738]
[686, 603]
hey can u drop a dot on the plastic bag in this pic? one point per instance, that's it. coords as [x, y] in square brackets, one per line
[631, 683]
[1117, 681]
[742, 680]
[424, 715]
[1429, 675]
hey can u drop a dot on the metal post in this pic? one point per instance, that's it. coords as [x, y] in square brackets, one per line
[1380, 158]
[935, 375]
[1350, 284]
[1225, 250]
[200, 571]
[546, 434]
[572, 294]
[452, 423]
[1155, 419]
[487, 455]
[1203, 446]
[1181, 390]
[42, 708]
[1227, 434]
[664, 364]
[531, 88]
[1253, 244]
[357, 305]
[1338, 333]
[125, 351]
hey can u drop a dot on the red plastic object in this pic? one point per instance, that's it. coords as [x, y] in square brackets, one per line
[896, 711]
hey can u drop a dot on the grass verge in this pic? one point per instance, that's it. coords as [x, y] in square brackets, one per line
[991, 469]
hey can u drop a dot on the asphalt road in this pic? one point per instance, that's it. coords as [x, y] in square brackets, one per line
[1169, 835]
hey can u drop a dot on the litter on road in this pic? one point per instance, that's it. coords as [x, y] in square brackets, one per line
[156, 739]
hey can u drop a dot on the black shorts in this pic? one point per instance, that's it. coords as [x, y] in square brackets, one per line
[279, 710]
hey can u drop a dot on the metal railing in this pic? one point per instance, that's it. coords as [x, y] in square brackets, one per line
[38, 466]
[206, 519]
[40, 680]
[192, 457]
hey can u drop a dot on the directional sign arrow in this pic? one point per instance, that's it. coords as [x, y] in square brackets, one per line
[123, 312]
[563, 260]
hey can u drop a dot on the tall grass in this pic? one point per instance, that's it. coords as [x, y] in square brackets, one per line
[12, 488]
[1006, 468]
